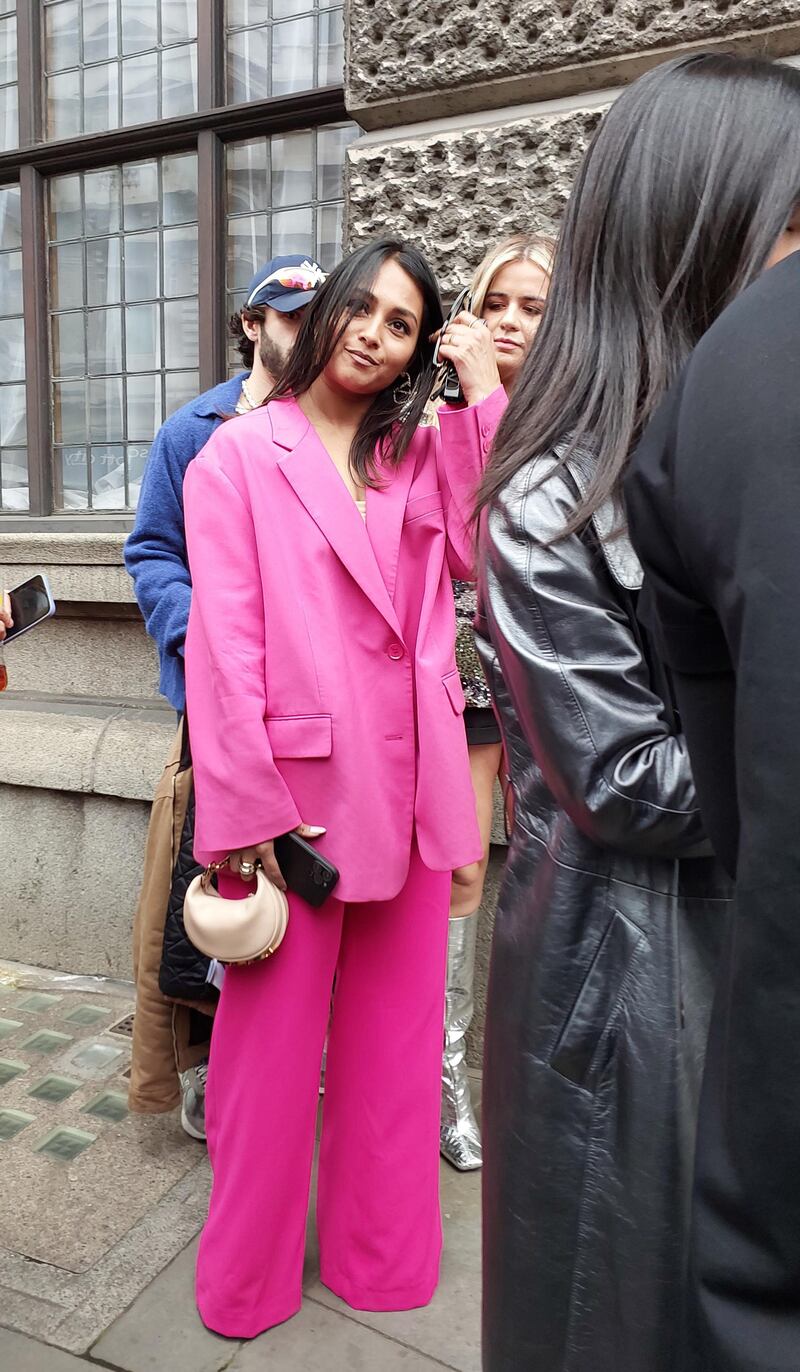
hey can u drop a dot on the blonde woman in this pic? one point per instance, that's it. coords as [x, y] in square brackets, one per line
[508, 294]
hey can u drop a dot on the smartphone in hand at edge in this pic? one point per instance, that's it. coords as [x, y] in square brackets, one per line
[305, 871]
[31, 604]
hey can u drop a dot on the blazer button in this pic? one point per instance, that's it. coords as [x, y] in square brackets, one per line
[395, 651]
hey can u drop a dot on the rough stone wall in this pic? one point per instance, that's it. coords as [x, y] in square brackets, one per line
[401, 47]
[455, 193]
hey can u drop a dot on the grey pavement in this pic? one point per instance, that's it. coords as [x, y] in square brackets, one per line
[161, 1332]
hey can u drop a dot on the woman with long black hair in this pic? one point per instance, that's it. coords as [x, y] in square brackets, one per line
[612, 910]
[323, 529]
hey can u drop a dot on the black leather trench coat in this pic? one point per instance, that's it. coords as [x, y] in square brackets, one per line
[608, 927]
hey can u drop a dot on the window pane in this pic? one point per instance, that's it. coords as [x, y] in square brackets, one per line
[66, 220]
[244, 12]
[293, 56]
[10, 228]
[102, 190]
[8, 50]
[181, 388]
[64, 105]
[140, 195]
[179, 179]
[69, 345]
[14, 481]
[66, 275]
[139, 84]
[13, 424]
[69, 412]
[293, 231]
[10, 284]
[108, 477]
[141, 266]
[284, 9]
[248, 66]
[61, 36]
[293, 169]
[331, 48]
[248, 247]
[180, 261]
[104, 333]
[103, 272]
[178, 20]
[9, 118]
[179, 81]
[329, 235]
[247, 176]
[74, 471]
[101, 98]
[331, 151]
[142, 338]
[105, 410]
[137, 459]
[139, 25]
[100, 38]
[144, 406]
[181, 340]
[12, 350]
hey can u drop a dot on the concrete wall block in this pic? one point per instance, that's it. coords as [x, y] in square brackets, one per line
[85, 657]
[398, 48]
[72, 581]
[92, 749]
[130, 756]
[456, 192]
[71, 879]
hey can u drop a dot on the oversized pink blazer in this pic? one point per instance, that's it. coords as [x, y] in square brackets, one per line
[313, 644]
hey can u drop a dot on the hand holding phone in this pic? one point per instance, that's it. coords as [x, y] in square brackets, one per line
[30, 604]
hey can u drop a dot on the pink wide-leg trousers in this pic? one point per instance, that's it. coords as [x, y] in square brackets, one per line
[378, 1215]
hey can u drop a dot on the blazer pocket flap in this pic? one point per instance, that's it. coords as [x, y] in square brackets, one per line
[422, 505]
[454, 689]
[300, 735]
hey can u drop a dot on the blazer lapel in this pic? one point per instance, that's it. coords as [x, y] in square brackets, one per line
[386, 508]
[311, 473]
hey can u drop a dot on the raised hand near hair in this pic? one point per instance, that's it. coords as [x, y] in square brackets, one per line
[468, 344]
[263, 854]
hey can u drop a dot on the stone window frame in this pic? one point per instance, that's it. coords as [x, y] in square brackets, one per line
[206, 132]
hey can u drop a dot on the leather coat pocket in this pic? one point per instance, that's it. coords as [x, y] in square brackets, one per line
[300, 735]
[576, 1052]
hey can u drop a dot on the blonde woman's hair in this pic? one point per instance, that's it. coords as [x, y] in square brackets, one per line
[538, 248]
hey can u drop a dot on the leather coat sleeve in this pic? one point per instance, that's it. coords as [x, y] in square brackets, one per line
[577, 679]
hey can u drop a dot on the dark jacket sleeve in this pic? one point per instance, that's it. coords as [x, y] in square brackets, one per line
[578, 681]
[155, 552]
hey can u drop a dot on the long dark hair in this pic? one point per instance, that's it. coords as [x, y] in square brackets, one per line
[686, 186]
[390, 422]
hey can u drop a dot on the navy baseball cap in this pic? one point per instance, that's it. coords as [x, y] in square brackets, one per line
[285, 283]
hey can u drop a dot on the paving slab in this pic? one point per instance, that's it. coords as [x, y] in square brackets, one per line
[318, 1337]
[163, 1330]
[18, 1353]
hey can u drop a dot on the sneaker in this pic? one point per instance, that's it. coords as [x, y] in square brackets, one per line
[193, 1103]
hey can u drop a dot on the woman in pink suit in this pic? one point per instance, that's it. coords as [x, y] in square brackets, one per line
[323, 530]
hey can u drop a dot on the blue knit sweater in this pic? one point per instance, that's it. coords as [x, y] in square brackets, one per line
[155, 552]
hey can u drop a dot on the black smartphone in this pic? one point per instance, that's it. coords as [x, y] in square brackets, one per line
[305, 871]
[31, 604]
[447, 386]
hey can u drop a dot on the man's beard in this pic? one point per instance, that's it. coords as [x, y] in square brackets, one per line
[272, 357]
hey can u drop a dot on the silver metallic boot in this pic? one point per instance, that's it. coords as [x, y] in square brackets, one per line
[459, 1137]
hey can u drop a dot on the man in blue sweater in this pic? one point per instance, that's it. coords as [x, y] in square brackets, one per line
[155, 552]
[166, 1036]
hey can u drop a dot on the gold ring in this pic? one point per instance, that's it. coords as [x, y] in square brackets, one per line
[247, 869]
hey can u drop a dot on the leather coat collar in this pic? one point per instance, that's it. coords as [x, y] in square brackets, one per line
[609, 522]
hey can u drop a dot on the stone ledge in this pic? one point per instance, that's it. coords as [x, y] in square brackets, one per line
[82, 568]
[441, 57]
[96, 749]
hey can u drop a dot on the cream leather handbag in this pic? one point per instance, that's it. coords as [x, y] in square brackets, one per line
[235, 931]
